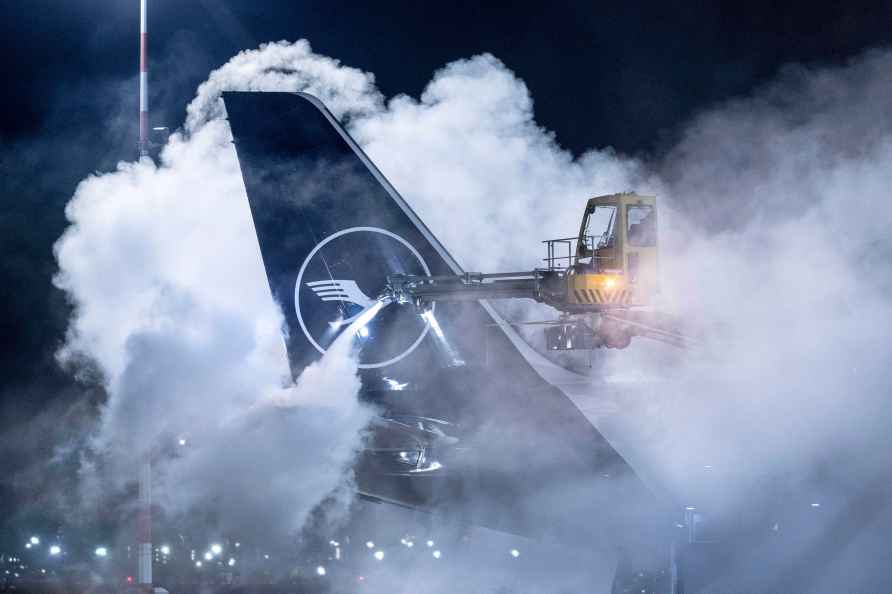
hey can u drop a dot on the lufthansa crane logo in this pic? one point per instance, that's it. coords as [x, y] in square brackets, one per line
[342, 277]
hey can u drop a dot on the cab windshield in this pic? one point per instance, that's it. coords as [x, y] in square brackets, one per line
[600, 225]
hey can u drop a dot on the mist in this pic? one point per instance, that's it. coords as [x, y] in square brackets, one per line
[773, 238]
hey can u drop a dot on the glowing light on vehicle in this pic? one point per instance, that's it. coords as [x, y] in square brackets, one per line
[55, 550]
[34, 540]
[231, 562]
[690, 508]
[182, 441]
[437, 554]
[430, 543]
[816, 505]
[165, 550]
[379, 555]
[370, 545]
[208, 556]
[27, 545]
[101, 552]
[198, 564]
[515, 553]
[216, 549]
[320, 571]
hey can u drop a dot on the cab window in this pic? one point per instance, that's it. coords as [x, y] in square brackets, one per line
[642, 228]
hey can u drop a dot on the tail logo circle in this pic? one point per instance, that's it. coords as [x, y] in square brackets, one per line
[342, 277]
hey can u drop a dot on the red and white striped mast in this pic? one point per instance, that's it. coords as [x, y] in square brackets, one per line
[144, 515]
[143, 82]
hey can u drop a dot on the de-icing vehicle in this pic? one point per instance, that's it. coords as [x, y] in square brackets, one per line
[603, 281]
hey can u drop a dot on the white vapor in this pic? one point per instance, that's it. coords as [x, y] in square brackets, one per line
[775, 232]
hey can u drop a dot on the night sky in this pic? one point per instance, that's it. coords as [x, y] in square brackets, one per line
[618, 74]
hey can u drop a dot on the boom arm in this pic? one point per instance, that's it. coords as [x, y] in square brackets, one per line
[541, 285]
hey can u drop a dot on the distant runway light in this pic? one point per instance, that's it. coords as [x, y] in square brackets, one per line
[198, 564]
[101, 552]
[165, 550]
[437, 554]
[208, 556]
[379, 555]
[216, 549]
[55, 550]
[34, 540]
[231, 562]
[515, 553]
[430, 543]
[27, 545]
[369, 544]
[320, 571]
[816, 505]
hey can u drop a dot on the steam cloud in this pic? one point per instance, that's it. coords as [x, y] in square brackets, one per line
[775, 218]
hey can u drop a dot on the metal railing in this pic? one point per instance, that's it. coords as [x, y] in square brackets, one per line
[553, 246]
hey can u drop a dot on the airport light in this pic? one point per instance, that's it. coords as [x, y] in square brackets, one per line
[55, 550]
[198, 564]
[101, 552]
[430, 543]
[320, 571]
[216, 549]
[379, 555]
[182, 441]
[816, 505]
[369, 544]
[238, 544]
[34, 540]
[437, 554]
[208, 556]
[515, 553]
[231, 562]
[27, 545]
[165, 550]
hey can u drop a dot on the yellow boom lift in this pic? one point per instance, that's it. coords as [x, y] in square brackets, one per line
[603, 281]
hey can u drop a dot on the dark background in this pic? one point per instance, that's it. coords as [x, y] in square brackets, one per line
[620, 74]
